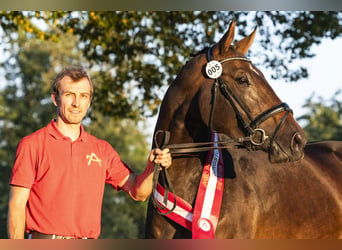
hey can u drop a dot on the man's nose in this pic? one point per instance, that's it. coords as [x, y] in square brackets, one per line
[76, 101]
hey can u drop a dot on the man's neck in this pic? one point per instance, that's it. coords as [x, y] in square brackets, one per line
[69, 130]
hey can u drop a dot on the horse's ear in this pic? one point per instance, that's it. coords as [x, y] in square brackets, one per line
[243, 45]
[225, 42]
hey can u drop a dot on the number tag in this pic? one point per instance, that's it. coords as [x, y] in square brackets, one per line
[213, 69]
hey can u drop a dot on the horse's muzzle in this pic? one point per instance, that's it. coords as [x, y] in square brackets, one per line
[290, 153]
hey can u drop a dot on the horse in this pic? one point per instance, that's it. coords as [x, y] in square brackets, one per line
[276, 185]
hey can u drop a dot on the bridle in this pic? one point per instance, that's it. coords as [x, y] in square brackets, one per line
[251, 130]
[254, 135]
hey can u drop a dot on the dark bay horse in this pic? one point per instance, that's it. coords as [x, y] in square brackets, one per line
[275, 184]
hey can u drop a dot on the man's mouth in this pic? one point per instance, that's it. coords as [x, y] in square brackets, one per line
[75, 112]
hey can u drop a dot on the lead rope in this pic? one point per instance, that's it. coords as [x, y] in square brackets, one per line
[161, 171]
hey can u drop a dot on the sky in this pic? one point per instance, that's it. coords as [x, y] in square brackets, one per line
[324, 77]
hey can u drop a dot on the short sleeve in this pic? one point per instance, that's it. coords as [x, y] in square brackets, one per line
[24, 168]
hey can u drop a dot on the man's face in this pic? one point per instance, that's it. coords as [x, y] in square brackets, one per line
[73, 101]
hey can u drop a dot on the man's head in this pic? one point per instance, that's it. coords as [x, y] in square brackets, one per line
[75, 73]
[72, 92]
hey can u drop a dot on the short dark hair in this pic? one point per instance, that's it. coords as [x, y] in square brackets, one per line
[75, 73]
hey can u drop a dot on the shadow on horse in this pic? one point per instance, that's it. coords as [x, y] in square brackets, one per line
[275, 185]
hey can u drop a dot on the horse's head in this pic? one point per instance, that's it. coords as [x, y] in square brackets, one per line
[246, 105]
[238, 102]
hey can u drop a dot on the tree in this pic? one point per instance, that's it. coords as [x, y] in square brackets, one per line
[323, 120]
[138, 53]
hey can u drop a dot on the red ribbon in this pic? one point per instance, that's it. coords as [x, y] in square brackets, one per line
[209, 197]
[201, 220]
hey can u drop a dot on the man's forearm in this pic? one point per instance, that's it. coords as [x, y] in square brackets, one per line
[139, 186]
[16, 212]
[16, 223]
[143, 183]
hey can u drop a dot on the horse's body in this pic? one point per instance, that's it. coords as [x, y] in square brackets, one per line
[270, 190]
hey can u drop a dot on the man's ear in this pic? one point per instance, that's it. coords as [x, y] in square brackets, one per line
[54, 98]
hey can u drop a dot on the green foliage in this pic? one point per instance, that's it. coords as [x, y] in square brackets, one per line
[122, 217]
[323, 119]
[119, 216]
[133, 56]
[138, 53]
[25, 106]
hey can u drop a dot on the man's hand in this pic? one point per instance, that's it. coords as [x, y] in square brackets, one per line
[162, 157]
[140, 187]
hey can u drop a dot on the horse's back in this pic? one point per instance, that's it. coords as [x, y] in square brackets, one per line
[325, 157]
[323, 151]
[300, 199]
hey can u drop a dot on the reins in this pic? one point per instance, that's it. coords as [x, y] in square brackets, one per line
[196, 147]
[161, 171]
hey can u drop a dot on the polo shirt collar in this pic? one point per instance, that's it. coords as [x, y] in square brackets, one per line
[53, 131]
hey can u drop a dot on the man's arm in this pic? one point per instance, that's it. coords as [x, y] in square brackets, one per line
[140, 187]
[16, 212]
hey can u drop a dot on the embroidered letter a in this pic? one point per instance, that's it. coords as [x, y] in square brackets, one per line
[93, 157]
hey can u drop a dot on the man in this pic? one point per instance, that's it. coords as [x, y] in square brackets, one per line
[58, 177]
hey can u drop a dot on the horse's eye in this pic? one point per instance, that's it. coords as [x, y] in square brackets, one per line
[243, 80]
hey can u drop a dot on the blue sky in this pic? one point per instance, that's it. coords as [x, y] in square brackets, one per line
[324, 77]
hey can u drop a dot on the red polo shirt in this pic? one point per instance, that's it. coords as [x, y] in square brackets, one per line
[67, 181]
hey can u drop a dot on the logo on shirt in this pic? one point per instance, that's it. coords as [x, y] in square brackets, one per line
[93, 158]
